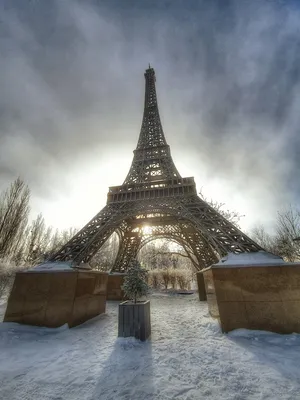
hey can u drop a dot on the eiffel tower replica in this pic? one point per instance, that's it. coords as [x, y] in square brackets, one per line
[155, 195]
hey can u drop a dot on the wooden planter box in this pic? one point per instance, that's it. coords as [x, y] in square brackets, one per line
[134, 320]
[114, 287]
[258, 296]
[54, 298]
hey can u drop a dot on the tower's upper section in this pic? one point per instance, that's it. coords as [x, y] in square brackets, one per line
[152, 134]
[152, 161]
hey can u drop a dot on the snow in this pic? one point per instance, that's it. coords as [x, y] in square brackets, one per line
[259, 258]
[53, 266]
[187, 358]
[59, 266]
[118, 273]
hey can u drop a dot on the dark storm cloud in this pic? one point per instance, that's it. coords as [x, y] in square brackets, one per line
[228, 84]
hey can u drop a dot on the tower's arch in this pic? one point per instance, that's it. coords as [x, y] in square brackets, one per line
[184, 245]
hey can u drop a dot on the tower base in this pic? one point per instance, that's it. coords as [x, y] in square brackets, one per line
[201, 286]
[55, 298]
[259, 297]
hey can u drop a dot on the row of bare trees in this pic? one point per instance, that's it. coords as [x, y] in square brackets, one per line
[171, 278]
[164, 254]
[22, 241]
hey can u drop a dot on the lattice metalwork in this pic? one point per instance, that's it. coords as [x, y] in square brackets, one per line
[152, 159]
[155, 194]
[182, 232]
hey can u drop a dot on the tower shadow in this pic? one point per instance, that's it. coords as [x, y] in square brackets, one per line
[278, 352]
[128, 372]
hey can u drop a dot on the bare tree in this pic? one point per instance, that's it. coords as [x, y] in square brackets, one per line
[18, 254]
[232, 216]
[163, 253]
[55, 243]
[67, 234]
[38, 240]
[147, 255]
[282, 242]
[288, 229]
[104, 259]
[264, 239]
[14, 210]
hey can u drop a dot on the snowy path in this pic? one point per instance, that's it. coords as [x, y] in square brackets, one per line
[186, 358]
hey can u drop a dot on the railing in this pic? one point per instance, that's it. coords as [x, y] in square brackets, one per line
[151, 190]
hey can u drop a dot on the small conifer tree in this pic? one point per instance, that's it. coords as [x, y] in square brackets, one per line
[135, 283]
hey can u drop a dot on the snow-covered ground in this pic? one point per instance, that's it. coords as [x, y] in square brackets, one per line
[187, 358]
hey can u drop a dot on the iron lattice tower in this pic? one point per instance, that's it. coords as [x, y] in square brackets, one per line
[154, 194]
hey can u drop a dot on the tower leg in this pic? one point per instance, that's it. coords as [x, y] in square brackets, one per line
[128, 250]
[198, 245]
[201, 287]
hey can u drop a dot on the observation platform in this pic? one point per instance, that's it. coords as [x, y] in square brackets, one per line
[151, 190]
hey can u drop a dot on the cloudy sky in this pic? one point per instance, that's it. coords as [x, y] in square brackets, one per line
[72, 88]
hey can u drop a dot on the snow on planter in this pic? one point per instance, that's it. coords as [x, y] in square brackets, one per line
[53, 266]
[262, 258]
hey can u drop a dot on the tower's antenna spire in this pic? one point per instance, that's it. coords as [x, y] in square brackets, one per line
[149, 66]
